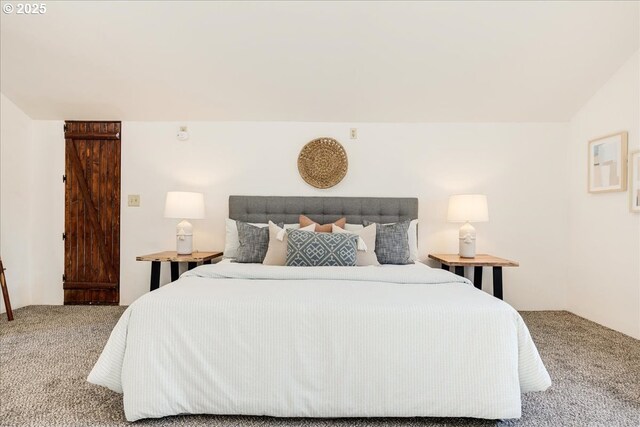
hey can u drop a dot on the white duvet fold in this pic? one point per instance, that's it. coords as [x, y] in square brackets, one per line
[320, 342]
[411, 273]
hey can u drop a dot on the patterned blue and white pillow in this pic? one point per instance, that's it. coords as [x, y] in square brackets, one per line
[310, 249]
[392, 242]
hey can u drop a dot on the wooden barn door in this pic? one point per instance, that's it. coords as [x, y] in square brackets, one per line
[92, 213]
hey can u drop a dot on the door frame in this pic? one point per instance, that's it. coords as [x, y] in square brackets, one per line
[87, 292]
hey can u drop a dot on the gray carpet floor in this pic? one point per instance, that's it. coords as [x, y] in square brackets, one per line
[47, 352]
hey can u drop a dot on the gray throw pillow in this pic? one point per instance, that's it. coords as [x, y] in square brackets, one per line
[254, 242]
[310, 249]
[392, 242]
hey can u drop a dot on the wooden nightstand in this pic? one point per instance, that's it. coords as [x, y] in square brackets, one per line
[175, 260]
[480, 261]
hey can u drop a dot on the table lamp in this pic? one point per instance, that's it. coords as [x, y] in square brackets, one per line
[468, 208]
[184, 205]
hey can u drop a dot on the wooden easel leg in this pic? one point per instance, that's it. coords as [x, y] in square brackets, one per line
[5, 293]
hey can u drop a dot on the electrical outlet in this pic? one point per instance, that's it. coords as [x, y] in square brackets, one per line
[134, 200]
[354, 133]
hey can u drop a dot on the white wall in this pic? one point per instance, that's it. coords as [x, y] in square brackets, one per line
[431, 161]
[16, 175]
[47, 249]
[604, 251]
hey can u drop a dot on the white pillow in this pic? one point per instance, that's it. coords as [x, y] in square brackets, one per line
[413, 240]
[353, 227]
[231, 241]
[412, 235]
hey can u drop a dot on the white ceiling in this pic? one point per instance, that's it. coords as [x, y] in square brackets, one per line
[314, 61]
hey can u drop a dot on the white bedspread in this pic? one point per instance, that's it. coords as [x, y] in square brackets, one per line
[320, 342]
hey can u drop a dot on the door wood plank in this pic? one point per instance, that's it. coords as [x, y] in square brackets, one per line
[89, 285]
[91, 136]
[91, 212]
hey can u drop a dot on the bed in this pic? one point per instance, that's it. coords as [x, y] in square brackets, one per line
[251, 339]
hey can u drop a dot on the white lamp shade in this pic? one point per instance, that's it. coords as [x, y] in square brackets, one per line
[184, 205]
[468, 207]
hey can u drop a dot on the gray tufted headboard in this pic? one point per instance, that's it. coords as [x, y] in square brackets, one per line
[323, 210]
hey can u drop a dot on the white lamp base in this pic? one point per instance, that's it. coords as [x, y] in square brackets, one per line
[467, 238]
[184, 238]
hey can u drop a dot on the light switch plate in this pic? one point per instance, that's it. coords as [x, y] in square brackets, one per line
[134, 200]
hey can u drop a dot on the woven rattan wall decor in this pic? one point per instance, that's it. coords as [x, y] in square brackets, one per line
[323, 162]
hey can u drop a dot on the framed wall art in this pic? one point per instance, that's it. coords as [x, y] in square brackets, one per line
[608, 163]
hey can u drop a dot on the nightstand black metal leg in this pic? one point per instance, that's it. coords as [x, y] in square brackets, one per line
[175, 271]
[444, 267]
[192, 265]
[477, 276]
[460, 270]
[155, 275]
[497, 282]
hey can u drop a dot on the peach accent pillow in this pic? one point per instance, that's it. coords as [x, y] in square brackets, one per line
[321, 228]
